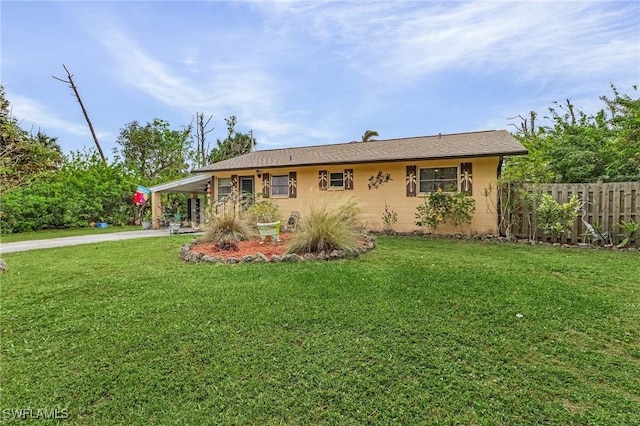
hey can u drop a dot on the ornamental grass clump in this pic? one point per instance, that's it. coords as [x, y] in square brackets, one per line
[227, 226]
[327, 228]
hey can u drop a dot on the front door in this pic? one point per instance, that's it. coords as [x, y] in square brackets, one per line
[246, 190]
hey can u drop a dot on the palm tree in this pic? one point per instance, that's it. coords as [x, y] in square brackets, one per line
[368, 135]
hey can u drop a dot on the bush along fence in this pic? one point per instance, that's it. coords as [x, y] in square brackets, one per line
[599, 213]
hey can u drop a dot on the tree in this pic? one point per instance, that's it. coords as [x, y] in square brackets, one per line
[154, 153]
[368, 134]
[624, 146]
[235, 144]
[581, 148]
[83, 190]
[202, 147]
[84, 111]
[23, 157]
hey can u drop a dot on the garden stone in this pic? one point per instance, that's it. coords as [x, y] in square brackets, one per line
[337, 254]
[260, 257]
[292, 257]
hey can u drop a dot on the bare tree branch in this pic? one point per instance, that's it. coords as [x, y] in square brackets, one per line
[201, 136]
[84, 111]
[527, 126]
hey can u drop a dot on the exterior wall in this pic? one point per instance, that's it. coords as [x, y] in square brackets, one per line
[393, 193]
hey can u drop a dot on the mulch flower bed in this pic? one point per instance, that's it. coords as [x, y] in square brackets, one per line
[254, 251]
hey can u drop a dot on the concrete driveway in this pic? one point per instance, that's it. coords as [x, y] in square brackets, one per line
[84, 239]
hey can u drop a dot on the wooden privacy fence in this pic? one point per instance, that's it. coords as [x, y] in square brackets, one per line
[605, 206]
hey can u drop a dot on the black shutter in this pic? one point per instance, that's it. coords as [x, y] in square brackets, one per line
[293, 184]
[348, 179]
[466, 181]
[266, 185]
[235, 188]
[412, 181]
[323, 180]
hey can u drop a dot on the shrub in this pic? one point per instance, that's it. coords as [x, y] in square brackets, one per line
[630, 229]
[328, 228]
[461, 210]
[227, 227]
[264, 212]
[84, 190]
[227, 245]
[506, 205]
[440, 207]
[555, 219]
[389, 217]
[428, 215]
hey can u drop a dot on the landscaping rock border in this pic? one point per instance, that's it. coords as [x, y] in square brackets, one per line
[368, 244]
[490, 238]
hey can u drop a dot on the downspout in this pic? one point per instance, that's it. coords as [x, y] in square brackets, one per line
[213, 193]
[498, 198]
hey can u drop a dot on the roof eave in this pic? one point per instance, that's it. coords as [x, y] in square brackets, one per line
[387, 160]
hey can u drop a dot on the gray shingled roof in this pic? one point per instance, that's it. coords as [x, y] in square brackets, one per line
[459, 145]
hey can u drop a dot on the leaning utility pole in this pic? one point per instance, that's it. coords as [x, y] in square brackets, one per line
[84, 111]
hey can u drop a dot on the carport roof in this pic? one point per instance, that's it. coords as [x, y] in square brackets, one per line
[194, 183]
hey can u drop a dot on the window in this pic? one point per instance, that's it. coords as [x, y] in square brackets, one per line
[443, 178]
[280, 186]
[224, 189]
[336, 180]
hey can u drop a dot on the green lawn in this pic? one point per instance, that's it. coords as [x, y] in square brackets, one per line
[59, 233]
[418, 331]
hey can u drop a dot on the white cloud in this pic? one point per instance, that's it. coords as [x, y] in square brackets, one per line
[30, 112]
[242, 87]
[354, 59]
[404, 41]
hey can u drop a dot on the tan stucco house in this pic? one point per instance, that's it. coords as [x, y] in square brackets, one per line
[397, 173]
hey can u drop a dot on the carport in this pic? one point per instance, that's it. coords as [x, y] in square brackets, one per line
[197, 186]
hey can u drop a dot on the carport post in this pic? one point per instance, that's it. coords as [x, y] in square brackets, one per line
[156, 210]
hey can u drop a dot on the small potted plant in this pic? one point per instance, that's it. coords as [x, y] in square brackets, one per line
[146, 219]
[267, 217]
[174, 225]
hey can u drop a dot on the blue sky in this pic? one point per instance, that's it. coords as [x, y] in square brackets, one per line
[307, 73]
